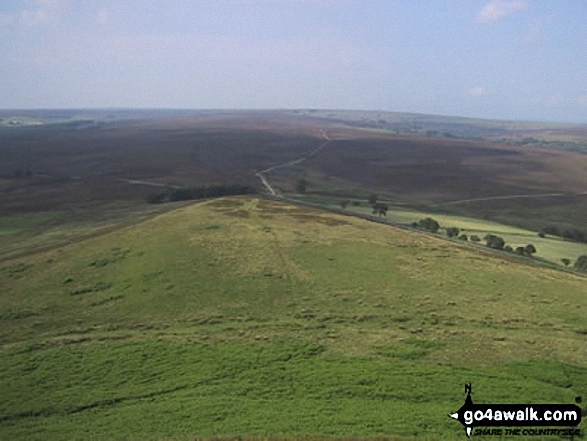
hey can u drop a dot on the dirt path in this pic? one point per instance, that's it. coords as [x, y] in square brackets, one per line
[152, 184]
[261, 173]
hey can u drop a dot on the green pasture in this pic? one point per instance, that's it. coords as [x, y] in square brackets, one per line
[249, 317]
[550, 248]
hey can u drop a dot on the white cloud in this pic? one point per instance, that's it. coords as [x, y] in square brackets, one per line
[477, 91]
[495, 10]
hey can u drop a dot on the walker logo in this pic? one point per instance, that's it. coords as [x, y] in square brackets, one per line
[472, 416]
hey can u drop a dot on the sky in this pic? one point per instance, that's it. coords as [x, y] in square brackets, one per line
[499, 59]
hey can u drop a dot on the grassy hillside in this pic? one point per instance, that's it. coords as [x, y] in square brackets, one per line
[253, 317]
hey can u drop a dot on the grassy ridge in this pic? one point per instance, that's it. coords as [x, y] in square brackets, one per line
[252, 317]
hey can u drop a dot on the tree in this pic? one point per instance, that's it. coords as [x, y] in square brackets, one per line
[156, 198]
[463, 237]
[542, 235]
[576, 235]
[380, 209]
[530, 249]
[552, 230]
[494, 241]
[475, 238]
[581, 263]
[565, 261]
[521, 250]
[344, 204]
[301, 185]
[372, 198]
[429, 224]
[508, 248]
[452, 232]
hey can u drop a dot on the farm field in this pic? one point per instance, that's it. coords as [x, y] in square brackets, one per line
[256, 317]
[550, 248]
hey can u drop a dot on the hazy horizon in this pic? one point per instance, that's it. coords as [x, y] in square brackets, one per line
[281, 109]
[491, 59]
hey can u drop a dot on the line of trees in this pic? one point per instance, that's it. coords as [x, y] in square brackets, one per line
[573, 234]
[491, 240]
[498, 243]
[203, 192]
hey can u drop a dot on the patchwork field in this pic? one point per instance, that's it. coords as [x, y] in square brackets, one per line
[254, 317]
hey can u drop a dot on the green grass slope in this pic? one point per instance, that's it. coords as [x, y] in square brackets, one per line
[242, 316]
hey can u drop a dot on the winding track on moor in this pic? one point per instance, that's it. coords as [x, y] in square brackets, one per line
[261, 174]
[273, 192]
